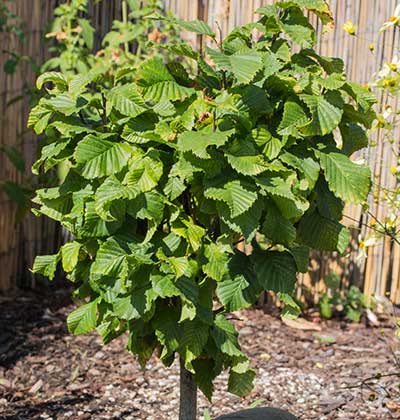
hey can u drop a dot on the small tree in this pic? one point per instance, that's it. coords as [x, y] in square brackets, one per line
[170, 168]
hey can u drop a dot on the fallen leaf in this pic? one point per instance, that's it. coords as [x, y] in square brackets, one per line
[301, 324]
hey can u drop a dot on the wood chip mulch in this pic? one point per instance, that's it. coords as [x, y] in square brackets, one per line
[46, 373]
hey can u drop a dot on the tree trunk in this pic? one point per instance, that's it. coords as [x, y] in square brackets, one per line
[188, 397]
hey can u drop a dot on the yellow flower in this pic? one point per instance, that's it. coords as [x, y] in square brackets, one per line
[371, 47]
[349, 27]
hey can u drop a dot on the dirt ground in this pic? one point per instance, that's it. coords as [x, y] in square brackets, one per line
[45, 373]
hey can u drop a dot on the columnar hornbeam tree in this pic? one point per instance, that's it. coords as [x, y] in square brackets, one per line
[175, 160]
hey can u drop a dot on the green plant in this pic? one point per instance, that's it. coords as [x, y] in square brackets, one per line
[124, 46]
[351, 302]
[169, 169]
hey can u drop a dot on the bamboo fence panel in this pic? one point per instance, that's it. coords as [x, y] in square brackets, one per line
[379, 273]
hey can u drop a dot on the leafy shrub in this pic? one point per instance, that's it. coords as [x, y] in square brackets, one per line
[170, 168]
[351, 303]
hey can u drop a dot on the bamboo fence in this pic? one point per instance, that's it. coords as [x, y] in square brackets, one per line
[379, 273]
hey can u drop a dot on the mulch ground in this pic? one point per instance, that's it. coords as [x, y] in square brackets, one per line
[45, 373]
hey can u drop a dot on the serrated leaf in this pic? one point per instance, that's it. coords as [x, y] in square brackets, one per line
[46, 265]
[225, 337]
[346, 179]
[52, 76]
[298, 28]
[127, 100]
[270, 145]
[291, 309]
[293, 118]
[166, 91]
[217, 255]
[301, 254]
[136, 305]
[326, 114]
[109, 191]
[197, 142]
[83, 319]
[232, 293]
[110, 259]
[100, 157]
[70, 255]
[145, 172]
[174, 188]
[245, 65]
[164, 285]
[245, 224]
[234, 195]
[276, 271]
[197, 26]
[277, 228]
[319, 232]
[241, 384]
[243, 157]
[290, 205]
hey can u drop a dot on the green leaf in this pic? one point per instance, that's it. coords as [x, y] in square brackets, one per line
[197, 26]
[326, 112]
[346, 179]
[100, 157]
[194, 338]
[225, 337]
[65, 104]
[291, 309]
[243, 157]
[174, 187]
[109, 191]
[204, 374]
[354, 138]
[166, 91]
[277, 228]
[298, 28]
[217, 255]
[164, 285]
[136, 305]
[247, 223]
[241, 384]
[83, 319]
[111, 259]
[127, 100]
[234, 195]
[46, 265]
[301, 255]
[70, 255]
[293, 119]
[145, 172]
[245, 65]
[270, 145]
[197, 142]
[87, 32]
[319, 232]
[276, 271]
[54, 77]
[306, 166]
[232, 293]
[291, 206]
[10, 66]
